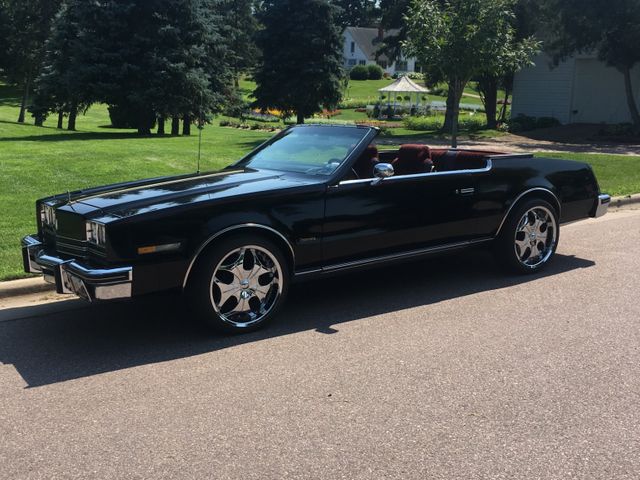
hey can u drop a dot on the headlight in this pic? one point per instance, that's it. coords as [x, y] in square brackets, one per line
[96, 233]
[48, 216]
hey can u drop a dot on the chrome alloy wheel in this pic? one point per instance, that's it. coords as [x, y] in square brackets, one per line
[536, 237]
[246, 285]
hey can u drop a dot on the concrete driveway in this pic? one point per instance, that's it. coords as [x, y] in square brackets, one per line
[443, 369]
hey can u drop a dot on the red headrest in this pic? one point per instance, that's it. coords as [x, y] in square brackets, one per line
[412, 159]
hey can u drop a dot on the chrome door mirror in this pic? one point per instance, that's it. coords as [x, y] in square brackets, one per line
[383, 170]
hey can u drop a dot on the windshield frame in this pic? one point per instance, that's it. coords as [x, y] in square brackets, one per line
[370, 134]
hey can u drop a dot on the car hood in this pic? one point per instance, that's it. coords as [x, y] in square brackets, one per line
[125, 200]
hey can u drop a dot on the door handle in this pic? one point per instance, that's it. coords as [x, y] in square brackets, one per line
[465, 191]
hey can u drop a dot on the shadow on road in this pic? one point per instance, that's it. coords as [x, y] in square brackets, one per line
[47, 348]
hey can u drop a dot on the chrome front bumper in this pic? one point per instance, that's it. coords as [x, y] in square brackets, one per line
[71, 277]
[602, 205]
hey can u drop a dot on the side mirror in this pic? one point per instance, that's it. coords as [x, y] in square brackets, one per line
[383, 170]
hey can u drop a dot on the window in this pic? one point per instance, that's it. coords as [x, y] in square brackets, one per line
[353, 47]
[315, 150]
[362, 62]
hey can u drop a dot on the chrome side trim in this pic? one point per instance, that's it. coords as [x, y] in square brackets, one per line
[394, 256]
[230, 229]
[519, 197]
[421, 175]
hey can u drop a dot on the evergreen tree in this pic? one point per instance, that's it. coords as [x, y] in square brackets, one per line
[144, 58]
[356, 13]
[60, 87]
[239, 29]
[301, 66]
[27, 24]
[392, 16]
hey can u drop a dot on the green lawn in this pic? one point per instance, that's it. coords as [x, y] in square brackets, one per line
[36, 162]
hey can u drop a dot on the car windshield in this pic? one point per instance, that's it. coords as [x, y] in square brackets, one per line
[310, 149]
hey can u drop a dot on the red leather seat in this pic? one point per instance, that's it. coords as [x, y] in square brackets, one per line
[363, 167]
[412, 159]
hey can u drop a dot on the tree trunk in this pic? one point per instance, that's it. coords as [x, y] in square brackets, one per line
[505, 106]
[160, 125]
[144, 130]
[60, 120]
[488, 86]
[25, 97]
[631, 102]
[456, 88]
[73, 113]
[186, 125]
[175, 126]
[38, 119]
[300, 118]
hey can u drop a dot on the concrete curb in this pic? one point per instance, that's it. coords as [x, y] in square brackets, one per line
[618, 202]
[26, 286]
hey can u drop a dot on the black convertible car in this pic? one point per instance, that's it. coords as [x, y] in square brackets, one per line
[310, 201]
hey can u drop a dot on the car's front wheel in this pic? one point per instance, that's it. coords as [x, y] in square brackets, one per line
[529, 237]
[239, 284]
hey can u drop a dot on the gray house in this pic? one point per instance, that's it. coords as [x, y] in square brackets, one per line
[580, 90]
[361, 45]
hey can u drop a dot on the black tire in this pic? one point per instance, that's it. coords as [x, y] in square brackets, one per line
[508, 247]
[211, 275]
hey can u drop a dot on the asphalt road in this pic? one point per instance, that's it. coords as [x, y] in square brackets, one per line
[444, 369]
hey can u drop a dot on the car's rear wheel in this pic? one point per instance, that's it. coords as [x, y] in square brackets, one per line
[239, 284]
[529, 237]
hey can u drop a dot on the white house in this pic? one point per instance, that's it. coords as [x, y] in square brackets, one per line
[580, 90]
[361, 44]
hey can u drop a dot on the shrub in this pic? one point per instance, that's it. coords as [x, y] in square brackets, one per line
[523, 123]
[415, 75]
[424, 123]
[375, 72]
[350, 103]
[471, 124]
[359, 72]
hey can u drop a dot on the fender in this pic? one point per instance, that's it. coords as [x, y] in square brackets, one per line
[523, 195]
[224, 231]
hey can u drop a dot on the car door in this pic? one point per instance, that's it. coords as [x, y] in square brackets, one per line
[365, 219]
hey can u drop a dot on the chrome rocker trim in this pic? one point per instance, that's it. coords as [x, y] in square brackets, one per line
[70, 277]
[602, 205]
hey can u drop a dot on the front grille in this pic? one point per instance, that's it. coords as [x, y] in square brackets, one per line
[72, 247]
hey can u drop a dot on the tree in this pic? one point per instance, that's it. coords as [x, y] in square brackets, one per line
[27, 28]
[60, 87]
[393, 14]
[301, 66]
[239, 29]
[456, 40]
[610, 30]
[356, 13]
[499, 73]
